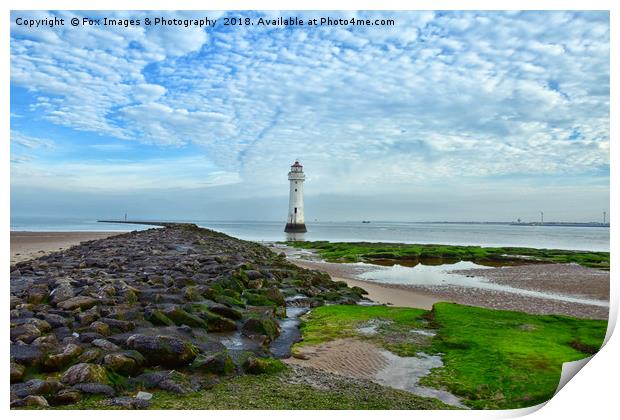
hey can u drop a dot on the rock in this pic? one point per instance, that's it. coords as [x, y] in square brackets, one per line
[162, 350]
[46, 342]
[104, 344]
[88, 317]
[55, 320]
[100, 328]
[25, 332]
[217, 323]
[254, 274]
[92, 355]
[26, 355]
[123, 364]
[64, 397]
[17, 372]
[35, 401]
[95, 388]
[255, 284]
[265, 329]
[89, 337]
[275, 295]
[78, 302]
[257, 299]
[358, 291]
[218, 364]
[15, 301]
[61, 293]
[171, 381]
[119, 325]
[62, 332]
[129, 403]
[190, 293]
[59, 361]
[226, 311]
[37, 295]
[180, 317]
[36, 387]
[144, 395]
[256, 366]
[157, 317]
[84, 372]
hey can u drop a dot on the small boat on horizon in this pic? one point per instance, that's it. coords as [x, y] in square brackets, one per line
[365, 221]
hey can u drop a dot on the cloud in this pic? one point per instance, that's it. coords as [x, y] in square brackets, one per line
[442, 97]
[30, 142]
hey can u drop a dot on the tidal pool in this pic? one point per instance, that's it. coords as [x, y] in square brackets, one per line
[444, 275]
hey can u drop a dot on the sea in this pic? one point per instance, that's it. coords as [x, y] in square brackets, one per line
[552, 237]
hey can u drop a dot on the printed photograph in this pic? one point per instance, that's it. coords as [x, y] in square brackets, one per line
[295, 210]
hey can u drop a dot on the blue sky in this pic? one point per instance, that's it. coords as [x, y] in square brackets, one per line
[445, 116]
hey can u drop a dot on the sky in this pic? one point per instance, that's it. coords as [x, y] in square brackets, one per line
[446, 115]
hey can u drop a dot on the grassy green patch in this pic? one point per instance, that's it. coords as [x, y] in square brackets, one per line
[505, 359]
[414, 253]
[492, 359]
[331, 322]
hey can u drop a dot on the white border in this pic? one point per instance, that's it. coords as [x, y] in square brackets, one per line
[592, 394]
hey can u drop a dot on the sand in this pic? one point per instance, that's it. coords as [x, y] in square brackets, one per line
[346, 357]
[567, 279]
[385, 294]
[360, 359]
[29, 245]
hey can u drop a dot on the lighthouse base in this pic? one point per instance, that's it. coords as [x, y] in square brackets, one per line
[295, 228]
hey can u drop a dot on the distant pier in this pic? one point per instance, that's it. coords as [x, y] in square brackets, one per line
[139, 222]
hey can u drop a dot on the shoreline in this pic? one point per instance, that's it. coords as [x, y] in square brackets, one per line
[377, 292]
[27, 245]
[422, 297]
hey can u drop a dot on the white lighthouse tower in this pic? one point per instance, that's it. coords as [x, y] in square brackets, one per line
[295, 222]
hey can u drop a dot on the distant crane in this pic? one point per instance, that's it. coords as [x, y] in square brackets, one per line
[542, 217]
[604, 217]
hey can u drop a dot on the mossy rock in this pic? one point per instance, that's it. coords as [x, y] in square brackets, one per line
[256, 299]
[266, 328]
[180, 317]
[214, 290]
[217, 323]
[358, 291]
[230, 301]
[257, 365]
[217, 364]
[157, 317]
[84, 373]
[191, 293]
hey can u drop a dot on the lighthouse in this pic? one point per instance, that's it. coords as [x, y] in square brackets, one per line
[295, 222]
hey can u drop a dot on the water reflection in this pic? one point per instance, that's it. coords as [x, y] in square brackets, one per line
[294, 236]
[444, 275]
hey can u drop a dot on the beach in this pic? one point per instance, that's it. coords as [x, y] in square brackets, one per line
[542, 288]
[29, 245]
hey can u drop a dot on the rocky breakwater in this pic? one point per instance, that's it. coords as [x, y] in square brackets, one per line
[126, 316]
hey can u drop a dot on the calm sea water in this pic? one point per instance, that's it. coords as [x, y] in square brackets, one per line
[578, 238]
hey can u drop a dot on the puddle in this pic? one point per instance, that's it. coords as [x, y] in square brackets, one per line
[371, 327]
[424, 333]
[405, 373]
[443, 275]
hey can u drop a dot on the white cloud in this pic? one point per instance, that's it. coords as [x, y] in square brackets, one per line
[440, 96]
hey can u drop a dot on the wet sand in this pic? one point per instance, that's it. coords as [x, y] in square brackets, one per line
[361, 359]
[29, 245]
[377, 292]
[566, 279]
